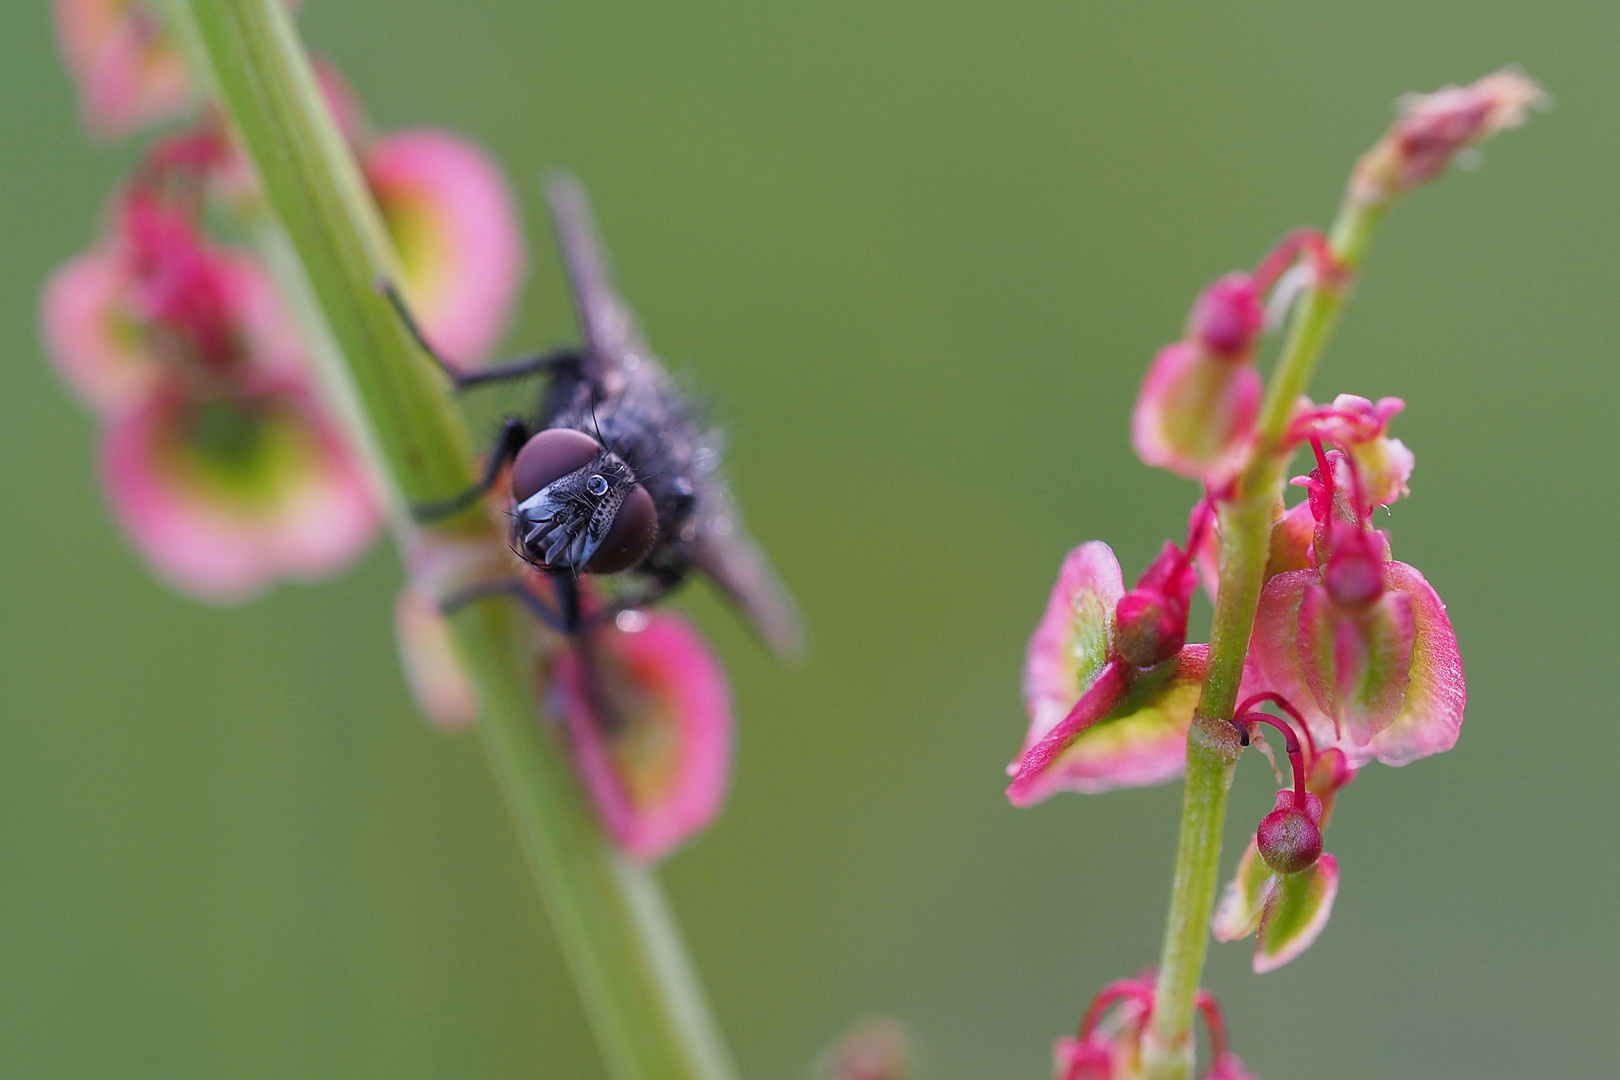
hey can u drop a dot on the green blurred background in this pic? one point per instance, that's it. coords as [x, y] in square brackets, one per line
[920, 255]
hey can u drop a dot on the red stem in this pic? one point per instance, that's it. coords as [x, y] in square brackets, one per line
[1253, 701]
[1290, 745]
[1310, 241]
[1205, 1003]
[1112, 994]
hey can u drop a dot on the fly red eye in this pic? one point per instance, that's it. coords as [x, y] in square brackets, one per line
[550, 455]
[631, 536]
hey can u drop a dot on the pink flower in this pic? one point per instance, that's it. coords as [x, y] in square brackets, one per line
[874, 1049]
[457, 233]
[429, 659]
[1434, 128]
[1097, 720]
[1109, 1043]
[649, 714]
[1357, 425]
[154, 302]
[1195, 413]
[129, 72]
[224, 495]
[1287, 912]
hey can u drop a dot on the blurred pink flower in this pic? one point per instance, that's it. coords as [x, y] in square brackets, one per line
[429, 659]
[457, 232]
[129, 72]
[224, 495]
[154, 301]
[649, 714]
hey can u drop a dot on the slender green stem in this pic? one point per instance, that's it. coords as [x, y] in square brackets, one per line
[639, 991]
[1212, 745]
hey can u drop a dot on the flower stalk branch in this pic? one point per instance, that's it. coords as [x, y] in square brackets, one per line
[1212, 743]
[639, 991]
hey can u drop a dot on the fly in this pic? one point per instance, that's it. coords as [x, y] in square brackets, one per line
[616, 473]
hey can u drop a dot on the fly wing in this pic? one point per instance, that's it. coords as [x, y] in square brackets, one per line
[730, 558]
[610, 330]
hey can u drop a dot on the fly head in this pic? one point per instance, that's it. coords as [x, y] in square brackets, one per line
[579, 506]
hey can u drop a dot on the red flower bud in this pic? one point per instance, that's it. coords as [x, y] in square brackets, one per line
[1227, 317]
[1149, 627]
[1290, 837]
[1354, 575]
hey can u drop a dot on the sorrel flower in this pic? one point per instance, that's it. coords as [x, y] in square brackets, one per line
[129, 71]
[1359, 642]
[1434, 128]
[454, 225]
[1285, 885]
[155, 302]
[1109, 682]
[224, 495]
[874, 1049]
[648, 713]
[1108, 1046]
[1196, 410]
[432, 671]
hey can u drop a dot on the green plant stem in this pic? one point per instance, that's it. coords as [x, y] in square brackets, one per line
[639, 991]
[1212, 744]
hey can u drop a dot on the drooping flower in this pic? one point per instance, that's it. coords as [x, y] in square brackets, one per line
[648, 713]
[1383, 464]
[1359, 642]
[456, 229]
[128, 69]
[1284, 887]
[1196, 410]
[223, 495]
[1433, 128]
[1109, 683]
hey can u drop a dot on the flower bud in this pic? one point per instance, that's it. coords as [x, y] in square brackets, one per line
[1149, 627]
[1227, 317]
[1354, 575]
[1289, 838]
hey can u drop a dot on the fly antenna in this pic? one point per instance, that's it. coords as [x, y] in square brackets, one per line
[597, 424]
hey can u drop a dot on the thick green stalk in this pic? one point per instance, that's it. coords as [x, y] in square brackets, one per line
[1212, 745]
[626, 957]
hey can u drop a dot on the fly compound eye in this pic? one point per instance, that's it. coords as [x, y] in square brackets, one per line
[552, 455]
[631, 535]
[596, 484]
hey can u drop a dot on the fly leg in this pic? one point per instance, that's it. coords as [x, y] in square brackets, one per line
[517, 590]
[517, 368]
[511, 439]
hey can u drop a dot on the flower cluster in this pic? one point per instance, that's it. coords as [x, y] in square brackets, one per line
[1352, 649]
[217, 459]
[1108, 1045]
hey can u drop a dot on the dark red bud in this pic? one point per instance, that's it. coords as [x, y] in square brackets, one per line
[1227, 317]
[1289, 838]
[1149, 627]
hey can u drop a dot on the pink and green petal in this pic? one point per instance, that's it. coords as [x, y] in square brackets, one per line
[1128, 730]
[456, 229]
[1195, 413]
[1431, 718]
[431, 668]
[650, 721]
[128, 70]
[1295, 913]
[1356, 663]
[224, 497]
[1228, 1067]
[1071, 643]
[95, 339]
[1237, 914]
